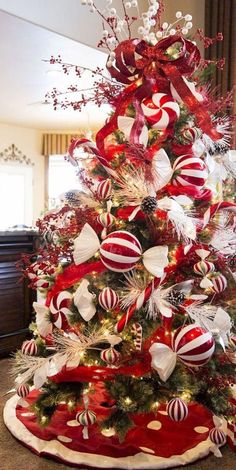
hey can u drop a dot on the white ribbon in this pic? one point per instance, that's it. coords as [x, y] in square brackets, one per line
[44, 326]
[163, 360]
[125, 124]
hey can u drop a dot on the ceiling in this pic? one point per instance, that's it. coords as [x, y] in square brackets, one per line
[25, 78]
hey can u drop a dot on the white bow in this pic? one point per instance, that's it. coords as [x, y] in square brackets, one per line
[83, 300]
[43, 323]
[163, 360]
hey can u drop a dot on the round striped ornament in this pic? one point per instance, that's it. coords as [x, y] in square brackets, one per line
[108, 299]
[29, 348]
[86, 417]
[59, 308]
[219, 283]
[189, 171]
[160, 110]
[203, 268]
[177, 409]
[217, 437]
[104, 190]
[193, 345]
[23, 390]
[110, 355]
[189, 135]
[120, 251]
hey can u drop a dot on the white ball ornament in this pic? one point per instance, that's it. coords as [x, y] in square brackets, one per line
[188, 17]
[165, 25]
[113, 11]
[128, 5]
[172, 32]
[184, 30]
[159, 34]
[141, 30]
[189, 25]
[178, 14]
[83, 2]
[134, 3]
[105, 33]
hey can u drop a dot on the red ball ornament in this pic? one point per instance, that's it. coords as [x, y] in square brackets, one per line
[217, 437]
[189, 171]
[23, 390]
[177, 409]
[29, 348]
[120, 251]
[219, 283]
[104, 190]
[160, 110]
[108, 299]
[110, 356]
[193, 345]
[59, 308]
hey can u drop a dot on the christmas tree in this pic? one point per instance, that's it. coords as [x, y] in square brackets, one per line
[133, 340]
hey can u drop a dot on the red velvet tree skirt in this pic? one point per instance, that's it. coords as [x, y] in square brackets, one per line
[155, 441]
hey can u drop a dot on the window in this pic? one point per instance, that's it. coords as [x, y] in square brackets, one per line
[61, 178]
[16, 195]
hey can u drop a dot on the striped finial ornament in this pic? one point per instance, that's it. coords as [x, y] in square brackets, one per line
[23, 390]
[110, 355]
[29, 348]
[219, 283]
[86, 418]
[177, 409]
[104, 190]
[108, 299]
[217, 436]
[106, 220]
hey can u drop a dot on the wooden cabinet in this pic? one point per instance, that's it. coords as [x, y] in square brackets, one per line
[15, 297]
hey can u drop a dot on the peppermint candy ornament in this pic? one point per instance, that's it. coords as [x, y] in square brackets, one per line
[23, 390]
[41, 283]
[219, 283]
[29, 348]
[177, 409]
[120, 251]
[110, 356]
[160, 110]
[108, 299]
[193, 345]
[104, 190]
[217, 436]
[86, 418]
[59, 309]
[106, 220]
[189, 171]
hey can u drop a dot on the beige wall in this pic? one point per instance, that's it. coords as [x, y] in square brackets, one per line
[196, 8]
[29, 141]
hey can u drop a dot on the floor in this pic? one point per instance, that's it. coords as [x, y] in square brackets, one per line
[13, 455]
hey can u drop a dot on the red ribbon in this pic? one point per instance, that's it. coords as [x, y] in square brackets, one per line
[100, 373]
[73, 274]
[155, 67]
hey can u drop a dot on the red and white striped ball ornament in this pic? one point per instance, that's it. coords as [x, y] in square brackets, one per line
[217, 436]
[29, 348]
[219, 283]
[108, 299]
[59, 308]
[110, 355]
[86, 417]
[23, 390]
[106, 220]
[193, 345]
[189, 171]
[104, 190]
[189, 135]
[120, 251]
[177, 409]
[160, 110]
[203, 267]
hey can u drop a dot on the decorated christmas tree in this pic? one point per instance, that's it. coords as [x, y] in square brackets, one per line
[132, 360]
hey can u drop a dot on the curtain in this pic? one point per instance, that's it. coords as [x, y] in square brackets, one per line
[57, 144]
[220, 16]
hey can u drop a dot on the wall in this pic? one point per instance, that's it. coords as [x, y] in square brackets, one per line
[196, 8]
[29, 141]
